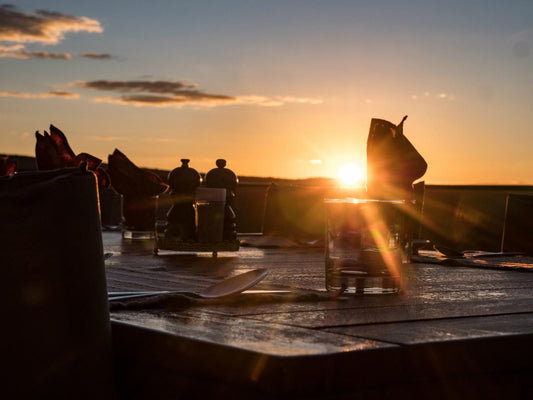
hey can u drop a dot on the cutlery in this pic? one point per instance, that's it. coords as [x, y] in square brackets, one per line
[453, 253]
[232, 285]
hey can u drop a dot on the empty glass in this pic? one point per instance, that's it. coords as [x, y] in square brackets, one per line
[138, 216]
[367, 243]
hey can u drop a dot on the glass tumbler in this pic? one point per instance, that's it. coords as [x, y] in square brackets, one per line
[138, 216]
[367, 244]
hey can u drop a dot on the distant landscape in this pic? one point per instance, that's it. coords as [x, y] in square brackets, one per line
[26, 163]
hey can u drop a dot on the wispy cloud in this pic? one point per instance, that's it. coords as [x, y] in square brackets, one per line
[18, 51]
[162, 87]
[46, 27]
[179, 93]
[54, 93]
[275, 101]
[438, 96]
[154, 93]
[97, 56]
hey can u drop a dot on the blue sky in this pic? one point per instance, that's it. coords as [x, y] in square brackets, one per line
[278, 88]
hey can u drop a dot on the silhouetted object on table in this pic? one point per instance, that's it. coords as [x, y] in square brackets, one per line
[222, 177]
[183, 182]
[57, 332]
[211, 226]
[52, 151]
[393, 163]
[138, 188]
[518, 227]
[7, 167]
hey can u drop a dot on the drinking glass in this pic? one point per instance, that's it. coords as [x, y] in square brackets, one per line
[367, 245]
[138, 216]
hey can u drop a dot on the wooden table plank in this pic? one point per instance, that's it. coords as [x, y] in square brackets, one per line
[443, 330]
[453, 327]
[248, 334]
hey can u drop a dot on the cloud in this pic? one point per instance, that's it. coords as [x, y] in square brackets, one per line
[45, 27]
[97, 56]
[54, 93]
[276, 101]
[12, 48]
[154, 93]
[160, 101]
[178, 94]
[429, 95]
[18, 51]
[162, 87]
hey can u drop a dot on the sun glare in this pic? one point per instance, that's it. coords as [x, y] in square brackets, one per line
[350, 174]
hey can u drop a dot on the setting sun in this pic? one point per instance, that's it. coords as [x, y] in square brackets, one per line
[350, 174]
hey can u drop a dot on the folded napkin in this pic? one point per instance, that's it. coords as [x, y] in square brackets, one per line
[139, 189]
[7, 167]
[130, 180]
[393, 163]
[52, 151]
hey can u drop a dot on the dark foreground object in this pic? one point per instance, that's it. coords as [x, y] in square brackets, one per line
[56, 333]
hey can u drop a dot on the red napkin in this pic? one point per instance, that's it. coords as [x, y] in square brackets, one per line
[52, 151]
[7, 167]
[130, 180]
[393, 163]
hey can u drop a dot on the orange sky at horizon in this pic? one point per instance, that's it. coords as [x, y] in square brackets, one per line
[281, 89]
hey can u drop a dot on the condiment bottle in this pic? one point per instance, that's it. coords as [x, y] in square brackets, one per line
[183, 182]
[222, 177]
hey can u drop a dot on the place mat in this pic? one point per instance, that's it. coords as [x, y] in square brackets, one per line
[514, 263]
[180, 301]
[278, 241]
[522, 263]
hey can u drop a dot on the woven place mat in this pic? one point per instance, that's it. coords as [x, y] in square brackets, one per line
[520, 263]
[278, 241]
[180, 301]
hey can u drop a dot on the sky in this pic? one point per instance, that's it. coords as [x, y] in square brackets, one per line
[277, 88]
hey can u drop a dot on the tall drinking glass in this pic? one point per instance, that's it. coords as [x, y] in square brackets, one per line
[367, 245]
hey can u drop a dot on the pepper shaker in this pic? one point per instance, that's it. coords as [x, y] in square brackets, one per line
[222, 177]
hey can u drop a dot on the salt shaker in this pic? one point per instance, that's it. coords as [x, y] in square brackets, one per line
[183, 182]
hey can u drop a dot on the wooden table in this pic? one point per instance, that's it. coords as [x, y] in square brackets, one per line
[455, 332]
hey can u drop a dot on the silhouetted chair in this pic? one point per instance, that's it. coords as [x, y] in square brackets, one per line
[518, 226]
